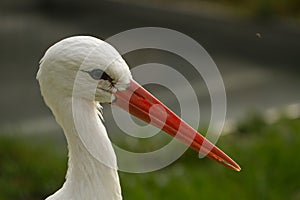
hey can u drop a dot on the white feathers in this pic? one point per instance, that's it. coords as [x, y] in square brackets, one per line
[64, 63]
[92, 133]
[100, 111]
[71, 93]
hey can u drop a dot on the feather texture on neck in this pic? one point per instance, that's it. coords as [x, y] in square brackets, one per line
[92, 173]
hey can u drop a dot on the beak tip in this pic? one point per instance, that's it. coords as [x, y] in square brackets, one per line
[233, 165]
[237, 168]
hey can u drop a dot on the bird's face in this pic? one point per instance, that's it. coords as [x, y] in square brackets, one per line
[100, 83]
[83, 67]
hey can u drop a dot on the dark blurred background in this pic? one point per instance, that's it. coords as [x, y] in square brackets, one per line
[255, 44]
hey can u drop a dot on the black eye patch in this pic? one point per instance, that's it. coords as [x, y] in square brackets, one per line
[98, 74]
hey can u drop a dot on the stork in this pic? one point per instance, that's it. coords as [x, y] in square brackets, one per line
[92, 167]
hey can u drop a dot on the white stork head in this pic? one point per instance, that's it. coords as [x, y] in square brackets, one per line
[91, 61]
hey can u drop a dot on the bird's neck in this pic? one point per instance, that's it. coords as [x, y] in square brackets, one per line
[90, 175]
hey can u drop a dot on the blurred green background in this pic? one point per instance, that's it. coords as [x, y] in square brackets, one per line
[255, 44]
[33, 168]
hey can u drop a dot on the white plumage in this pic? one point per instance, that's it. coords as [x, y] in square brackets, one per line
[92, 168]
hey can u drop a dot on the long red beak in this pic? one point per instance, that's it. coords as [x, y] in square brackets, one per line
[138, 102]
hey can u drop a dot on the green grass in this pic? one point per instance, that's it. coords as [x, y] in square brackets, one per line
[268, 154]
[30, 168]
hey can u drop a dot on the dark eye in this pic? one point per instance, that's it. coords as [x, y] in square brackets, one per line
[98, 74]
